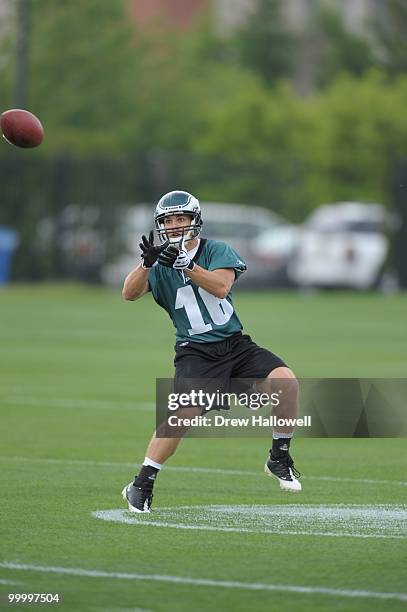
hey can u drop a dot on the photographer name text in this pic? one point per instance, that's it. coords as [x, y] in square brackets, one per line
[218, 420]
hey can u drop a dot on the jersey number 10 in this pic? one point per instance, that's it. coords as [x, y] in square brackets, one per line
[219, 310]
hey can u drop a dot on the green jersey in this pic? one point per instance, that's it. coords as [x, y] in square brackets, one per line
[197, 314]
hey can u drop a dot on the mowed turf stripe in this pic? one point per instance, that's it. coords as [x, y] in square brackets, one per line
[221, 471]
[205, 582]
[67, 402]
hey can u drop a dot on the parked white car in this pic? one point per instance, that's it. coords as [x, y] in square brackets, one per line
[240, 226]
[342, 245]
[274, 249]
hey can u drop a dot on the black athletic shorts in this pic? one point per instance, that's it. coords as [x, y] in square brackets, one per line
[236, 357]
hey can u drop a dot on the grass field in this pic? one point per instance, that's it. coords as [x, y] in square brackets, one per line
[78, 368]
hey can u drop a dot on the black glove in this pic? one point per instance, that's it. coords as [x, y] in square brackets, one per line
[150, 252]
[168, 256]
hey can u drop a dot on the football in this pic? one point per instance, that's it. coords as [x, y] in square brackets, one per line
[21, 128]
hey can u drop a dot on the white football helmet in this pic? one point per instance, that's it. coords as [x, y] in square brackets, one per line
[177, 203]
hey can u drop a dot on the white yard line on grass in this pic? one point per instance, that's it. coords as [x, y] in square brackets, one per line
[205, 582]
[108, 515]
[272, 519]
[10, 581]
[193, 469]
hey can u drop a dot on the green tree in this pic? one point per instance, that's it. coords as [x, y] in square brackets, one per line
[391, 34]
[102, 85]
[7, 55]
[336, 49]
[359, 131]
[264, 43]
[293, 153]
[82, 67]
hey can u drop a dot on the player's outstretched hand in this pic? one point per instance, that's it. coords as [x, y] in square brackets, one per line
[176, 257]
[168, 256]
[150, 252]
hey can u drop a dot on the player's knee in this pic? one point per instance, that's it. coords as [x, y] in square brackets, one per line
[286, 378]
[282, 372]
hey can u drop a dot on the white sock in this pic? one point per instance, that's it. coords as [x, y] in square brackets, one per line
[154, 464]
[277, 435]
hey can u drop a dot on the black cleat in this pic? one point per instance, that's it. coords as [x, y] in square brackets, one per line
[140, 498]
[283, 469]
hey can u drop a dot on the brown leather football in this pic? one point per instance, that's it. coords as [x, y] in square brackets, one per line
[21, 128]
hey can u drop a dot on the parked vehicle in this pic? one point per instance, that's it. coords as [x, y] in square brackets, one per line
[134, 221]
[342, 245]
[240, 227]
[77, 239]
[274, 248]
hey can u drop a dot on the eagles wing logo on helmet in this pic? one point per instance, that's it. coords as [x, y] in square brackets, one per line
[178, 203]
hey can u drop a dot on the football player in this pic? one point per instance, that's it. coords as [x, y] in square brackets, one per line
[192, 278]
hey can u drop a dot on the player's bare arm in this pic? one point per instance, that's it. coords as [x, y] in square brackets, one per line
[136, 283]
[216, 282]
